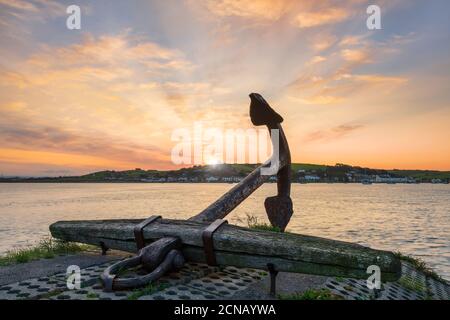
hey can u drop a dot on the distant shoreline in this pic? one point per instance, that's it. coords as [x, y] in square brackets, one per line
[203, 182]
[233, 173]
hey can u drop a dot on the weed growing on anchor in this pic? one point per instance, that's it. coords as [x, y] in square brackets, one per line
[253, 223]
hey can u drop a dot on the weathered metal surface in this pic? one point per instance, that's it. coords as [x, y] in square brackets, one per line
[138, 231]
[230, 200]
[279, 210]
[158, 258]
[240, 247]
[208, 242]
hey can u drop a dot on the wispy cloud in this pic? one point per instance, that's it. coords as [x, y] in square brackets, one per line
[19, 5]
[317, 59]
[342, 75]
[319, 18]
[34, 10]
[332, 133]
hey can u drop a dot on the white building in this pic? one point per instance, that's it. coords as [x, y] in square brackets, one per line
[389, 179]
[231, 179]
[312, 178]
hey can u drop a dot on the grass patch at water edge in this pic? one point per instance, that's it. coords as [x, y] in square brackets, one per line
[46, 249]
[421, 266]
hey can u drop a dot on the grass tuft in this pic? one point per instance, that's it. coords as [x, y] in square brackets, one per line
[420, 265]
[412, 285]
[47, 248]
[253, 223]
[147, 290]
[92, 295]
[311, 294]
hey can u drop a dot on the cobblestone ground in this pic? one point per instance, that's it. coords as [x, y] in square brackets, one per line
[201, 282]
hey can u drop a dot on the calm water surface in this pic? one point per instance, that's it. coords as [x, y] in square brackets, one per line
[414, 219]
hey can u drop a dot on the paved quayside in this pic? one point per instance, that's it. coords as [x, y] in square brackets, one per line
[46, 279]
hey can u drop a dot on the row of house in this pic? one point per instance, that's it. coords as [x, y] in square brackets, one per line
[354, 177]
[307, 178]
[193, 179]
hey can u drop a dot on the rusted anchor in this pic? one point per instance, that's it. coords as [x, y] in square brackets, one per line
[164, 255]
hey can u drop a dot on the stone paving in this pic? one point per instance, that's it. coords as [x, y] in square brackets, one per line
[201, 282]
[413, 285]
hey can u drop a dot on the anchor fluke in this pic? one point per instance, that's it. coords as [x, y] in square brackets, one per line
[279, 210]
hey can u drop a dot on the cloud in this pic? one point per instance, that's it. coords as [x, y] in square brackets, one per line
[323, 41]
[356, 55]
[316, 59]
[20, 5]
[256, 9]
[341, 77]
[115, 97]
[35, 10]
[107, 50]
[341, 86]
[35, 137]
[91, 99]
[322, 17]
[300, 14]
[332, 133]
[378, 79]
[352, 40]
[321, 100]
[104, 58]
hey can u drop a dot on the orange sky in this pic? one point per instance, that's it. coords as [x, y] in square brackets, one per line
[110, 95]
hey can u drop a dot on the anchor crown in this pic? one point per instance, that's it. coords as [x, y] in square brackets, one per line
[261, 113]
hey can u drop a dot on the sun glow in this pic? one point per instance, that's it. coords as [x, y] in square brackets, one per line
[213, 161]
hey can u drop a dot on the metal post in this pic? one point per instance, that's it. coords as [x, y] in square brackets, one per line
[273, 277]
[104, 248]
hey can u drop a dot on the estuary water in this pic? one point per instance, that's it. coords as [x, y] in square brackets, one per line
[413, 219]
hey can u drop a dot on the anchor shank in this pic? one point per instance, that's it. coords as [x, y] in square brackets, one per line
[230, 200]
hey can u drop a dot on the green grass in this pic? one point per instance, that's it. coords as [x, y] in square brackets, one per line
[307, 166]
[423, 174]
[420, 265]
[253, 223]
[92, 295]
[46, 249]
[148, 290]
[51, 294]
[412, 285]
[311, 294]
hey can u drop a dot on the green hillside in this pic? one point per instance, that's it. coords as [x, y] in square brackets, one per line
[301, 172]
[423, 174]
